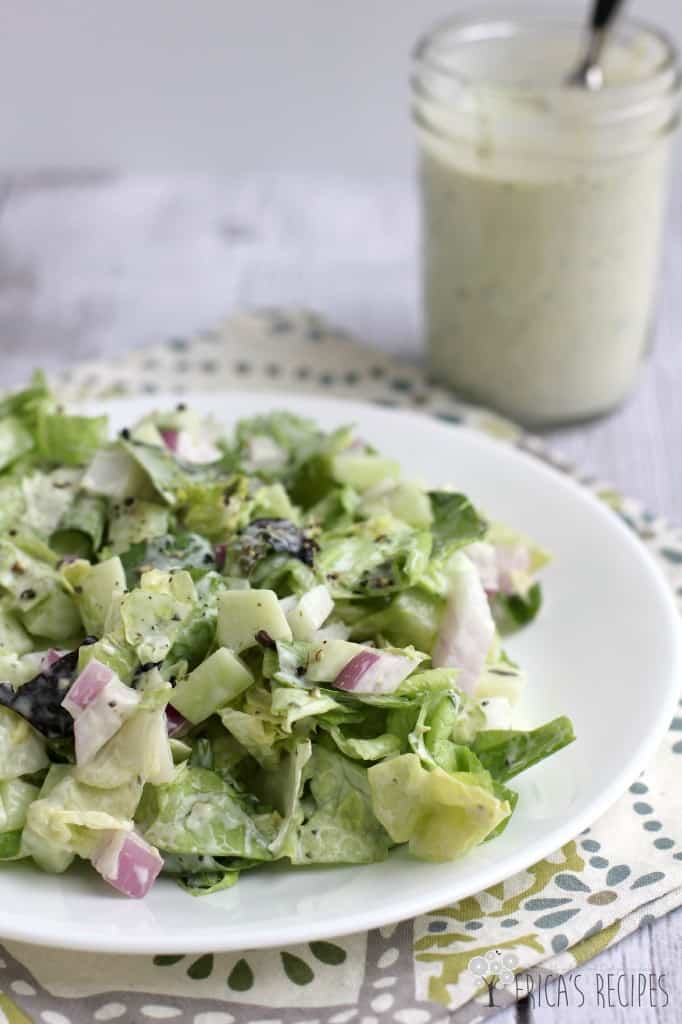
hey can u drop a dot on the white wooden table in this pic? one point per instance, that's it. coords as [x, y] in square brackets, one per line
[91, 265]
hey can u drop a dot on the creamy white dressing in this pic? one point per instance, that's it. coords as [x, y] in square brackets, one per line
[542, 216]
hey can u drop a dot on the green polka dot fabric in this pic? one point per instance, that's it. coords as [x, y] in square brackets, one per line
[619, 875]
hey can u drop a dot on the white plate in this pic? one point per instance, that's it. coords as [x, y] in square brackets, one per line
[605, 650]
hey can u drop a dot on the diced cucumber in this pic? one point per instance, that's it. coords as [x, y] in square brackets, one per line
[412, 617]
[13, 637]
[363, 471]
[212, 685]
[328, 657]
[97, 589]
[55, 618]
[243, 613]
[309, 612]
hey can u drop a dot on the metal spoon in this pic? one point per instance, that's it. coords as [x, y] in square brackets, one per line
[588, 74]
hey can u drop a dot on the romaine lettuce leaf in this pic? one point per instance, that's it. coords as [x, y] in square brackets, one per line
[72, 815]
[153, 613]
[215, 508]
[15, 440]
[200, 813]
[180, 550]
[10, 845]
[47, 497]
[372, 558]
[80, 530]
[340, 826]
[13, 637]
[16, 796]
[512, 611]
[440, 815]
[161, 469]
[198, 874]
[26, 576]
[69, 440]
[136, 521]
[455, 522]
[56, 618]
[359, 748]
[506, 752]
[257, 734]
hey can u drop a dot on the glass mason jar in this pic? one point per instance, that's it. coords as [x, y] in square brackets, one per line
[542, 208]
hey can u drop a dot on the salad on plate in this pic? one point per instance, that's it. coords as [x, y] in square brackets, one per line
[223, 650]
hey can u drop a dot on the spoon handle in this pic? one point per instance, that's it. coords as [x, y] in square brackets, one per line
[602, 12]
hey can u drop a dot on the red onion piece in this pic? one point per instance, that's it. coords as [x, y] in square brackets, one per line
[352, 672]
[176, 724]
[511, 559]
[219, 552]
[102, 717]
[87, 687]
[170, 438]
[50, 657]
[466, 629]
[127, 863]
[484, 557]
[374, 672]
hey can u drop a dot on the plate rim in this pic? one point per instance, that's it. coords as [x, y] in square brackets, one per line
[297, 930]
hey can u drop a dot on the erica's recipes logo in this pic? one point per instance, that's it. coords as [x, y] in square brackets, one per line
[586, 988]
[494, 968]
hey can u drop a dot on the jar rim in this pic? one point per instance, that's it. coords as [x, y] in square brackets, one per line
[666, 72]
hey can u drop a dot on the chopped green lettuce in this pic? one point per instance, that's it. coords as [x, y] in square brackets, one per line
[22, 750]
[440, 815]
[200, 813]
[73, 816]
[254, 590]
[69, 440]
[340, 825]
[506, 752]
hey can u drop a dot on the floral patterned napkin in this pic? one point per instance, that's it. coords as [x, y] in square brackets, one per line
[448, 965]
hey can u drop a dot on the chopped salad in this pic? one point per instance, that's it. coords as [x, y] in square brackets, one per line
[221, 651]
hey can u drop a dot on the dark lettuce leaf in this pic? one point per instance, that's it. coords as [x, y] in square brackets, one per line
[512, 611]
[39, 701]
[200, 874]
[10, 845]
[180, 550]
[263, 537]
[507, 752]
[455, 521]
[512, 797]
